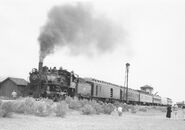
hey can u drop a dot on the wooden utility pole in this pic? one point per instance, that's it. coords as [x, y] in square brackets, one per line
[126, 80]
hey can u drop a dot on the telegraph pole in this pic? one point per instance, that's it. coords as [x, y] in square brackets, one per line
[126, 80]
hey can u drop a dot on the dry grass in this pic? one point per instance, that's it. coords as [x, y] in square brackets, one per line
[76, 121]
[144, 117]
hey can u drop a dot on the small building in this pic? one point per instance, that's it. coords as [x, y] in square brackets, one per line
[8, 85]
[147, 89]
[180, 104]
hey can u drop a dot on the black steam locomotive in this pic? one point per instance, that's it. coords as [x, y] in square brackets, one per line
[51, 82]
[58, 83]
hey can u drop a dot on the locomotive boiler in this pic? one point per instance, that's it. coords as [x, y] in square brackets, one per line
[52, 82]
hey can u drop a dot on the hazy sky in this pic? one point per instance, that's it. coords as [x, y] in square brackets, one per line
[154, 43]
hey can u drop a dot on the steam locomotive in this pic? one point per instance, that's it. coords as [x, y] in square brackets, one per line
[58, 83]
[51, 83]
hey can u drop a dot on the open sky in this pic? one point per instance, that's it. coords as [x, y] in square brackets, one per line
[154, 43]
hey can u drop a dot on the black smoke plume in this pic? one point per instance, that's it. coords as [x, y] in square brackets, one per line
[78, 28]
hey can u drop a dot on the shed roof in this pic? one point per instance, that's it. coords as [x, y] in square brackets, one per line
[17, 81]
[2, 79]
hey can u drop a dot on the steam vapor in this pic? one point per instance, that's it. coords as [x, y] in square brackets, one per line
[78, 28]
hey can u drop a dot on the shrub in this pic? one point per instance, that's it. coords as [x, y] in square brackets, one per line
[83, 102]
[143, 109]
[18, 106]
[124, 107]
[61, 109]
[162, 109]
[6, 109]
[108, 108]
[97, 107]
[117, 104]
[130, 108]
[1, 102]
[100, 102]
[75, 104]
[47, 101]
[24, 105]
[133, 110]
[41, 109]
[4, 98]
[68, 99]
[88, 109]
[2, 113]
[29, 105]
[154, 107]
[159, 108]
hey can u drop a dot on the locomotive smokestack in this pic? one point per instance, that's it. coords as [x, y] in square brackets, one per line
[40, 66]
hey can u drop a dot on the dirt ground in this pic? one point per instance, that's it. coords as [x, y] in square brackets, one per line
[75, 121]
